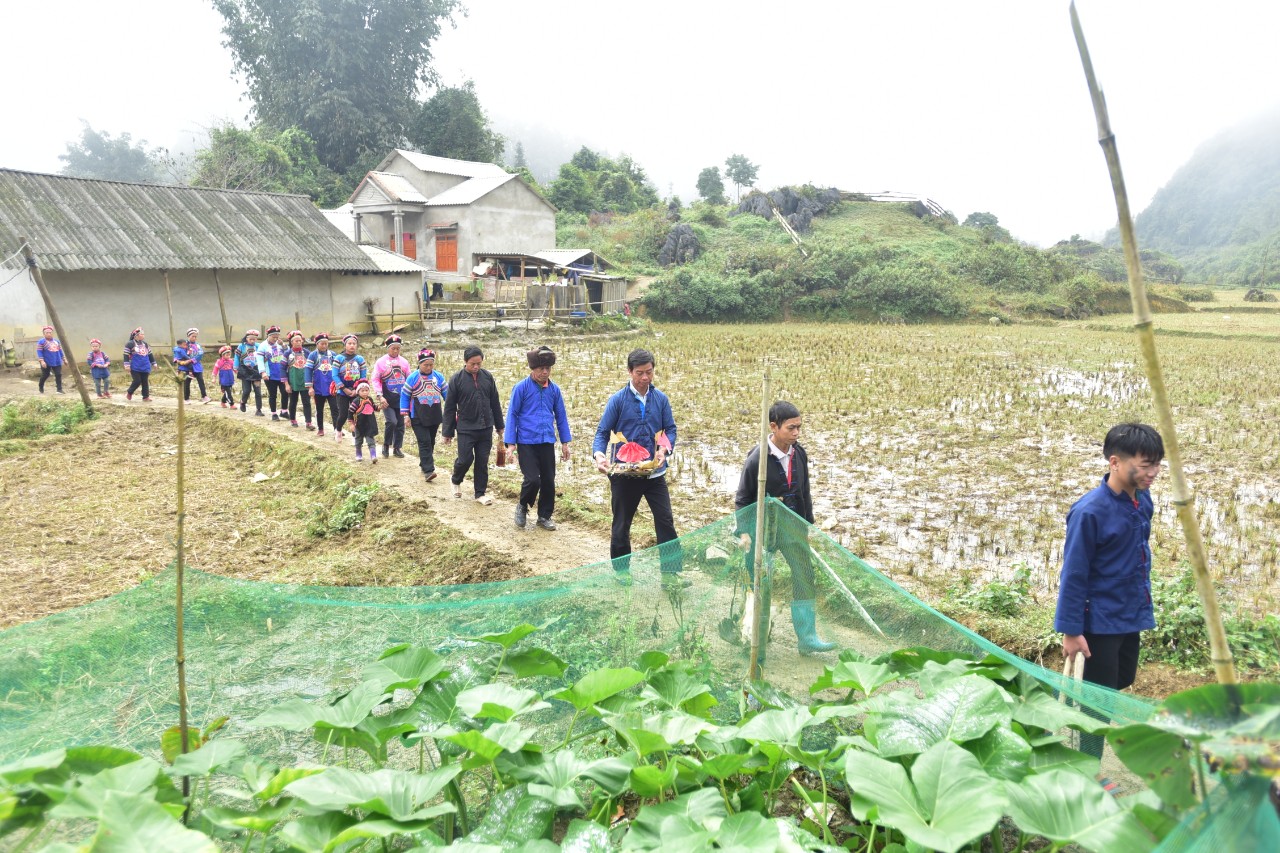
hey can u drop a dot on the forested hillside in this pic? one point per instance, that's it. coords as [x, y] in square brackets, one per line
[1220, 213]
[862, 260]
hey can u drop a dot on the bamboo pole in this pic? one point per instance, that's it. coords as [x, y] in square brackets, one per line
[226, 327]
[1183, 499]
[760, 631]
[69, 357]
[180, 561]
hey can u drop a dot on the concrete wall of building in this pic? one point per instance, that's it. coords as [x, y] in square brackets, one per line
[22, 313]
[512, 218]
[350, 292]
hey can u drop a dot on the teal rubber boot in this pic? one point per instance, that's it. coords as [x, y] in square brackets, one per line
[805, 622]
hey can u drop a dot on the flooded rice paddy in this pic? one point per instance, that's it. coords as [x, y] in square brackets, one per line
[941, 450]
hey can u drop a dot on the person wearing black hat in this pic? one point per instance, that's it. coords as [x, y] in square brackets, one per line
[473, 411]
[387, 378]
[422, 407]
[535, 416]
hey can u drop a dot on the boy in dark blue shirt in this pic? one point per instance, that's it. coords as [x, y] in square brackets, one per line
[1104, 597]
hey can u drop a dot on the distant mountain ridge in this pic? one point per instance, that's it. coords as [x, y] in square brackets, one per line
[1220, 212]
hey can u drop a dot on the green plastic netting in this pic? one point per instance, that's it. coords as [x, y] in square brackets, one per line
[105, 673]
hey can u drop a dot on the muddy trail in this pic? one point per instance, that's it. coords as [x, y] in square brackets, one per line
[98, 510]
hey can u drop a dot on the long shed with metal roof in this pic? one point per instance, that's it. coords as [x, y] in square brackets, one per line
[105, 248]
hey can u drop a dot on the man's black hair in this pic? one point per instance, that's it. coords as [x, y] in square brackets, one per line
[471, 352]
[639, 357]
[1133, 439]
[782, 411]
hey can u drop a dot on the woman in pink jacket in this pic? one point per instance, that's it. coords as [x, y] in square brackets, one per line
[387, 378]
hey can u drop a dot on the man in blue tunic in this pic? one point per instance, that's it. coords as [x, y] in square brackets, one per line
[1104, 597]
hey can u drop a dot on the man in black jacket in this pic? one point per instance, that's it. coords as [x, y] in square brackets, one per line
[472, 410]
[786, 478]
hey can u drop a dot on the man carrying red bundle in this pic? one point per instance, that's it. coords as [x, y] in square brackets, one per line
[642, 414]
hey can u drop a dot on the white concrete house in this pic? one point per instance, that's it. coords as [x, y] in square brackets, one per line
[449, 214]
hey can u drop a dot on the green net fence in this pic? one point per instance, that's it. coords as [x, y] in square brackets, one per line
[105, 673]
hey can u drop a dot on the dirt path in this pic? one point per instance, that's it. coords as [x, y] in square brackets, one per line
[537, 551]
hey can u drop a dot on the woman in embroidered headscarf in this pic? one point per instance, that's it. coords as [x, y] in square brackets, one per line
[250, 367]
[422, 406]
[49, 352]
[276, 372]
[320, 379]
[296, 381]
[350, 368]
[140, 358]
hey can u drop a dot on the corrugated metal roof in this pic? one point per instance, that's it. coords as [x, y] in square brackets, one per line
[445, 165]
[341, 218]
[82, 224]
[469, 191]
[398, 188]
[389, 261]
[564, 257]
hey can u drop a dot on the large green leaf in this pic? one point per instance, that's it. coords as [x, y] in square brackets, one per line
[1042, 711]
[697, 807]
[404, 668]
[553, 780]
[611, 774]
[297, 715]
[489, 744]
[397, 794]
[510, 638]
[1204, 711]
[1058, 756]
[1069, 808]
[382, 828]
[584, 836]
[499, 701]
[951, 802]
[1161, 758]
[283, 778]
[135, 823]
[963, 710]
[599, 685]
[1002, 753]
[262, 819]
[208, 758]
[911, 661]
[659, 732]
[527, 663]
[143, 777]
[649, 781]
[171, 741]
[747, 831]
[16, 773]
[783, 728]
[514, 816]
[314, 832]
[855, 675]
[679, 689]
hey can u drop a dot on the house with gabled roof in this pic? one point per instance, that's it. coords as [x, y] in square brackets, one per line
[449, 214]
[251, 258]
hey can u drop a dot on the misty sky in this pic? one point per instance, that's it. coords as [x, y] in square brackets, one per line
[980, 106]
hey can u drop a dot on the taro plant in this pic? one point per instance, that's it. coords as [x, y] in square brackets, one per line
[490, 748]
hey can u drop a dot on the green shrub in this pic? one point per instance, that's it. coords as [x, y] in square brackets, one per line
[347, 515]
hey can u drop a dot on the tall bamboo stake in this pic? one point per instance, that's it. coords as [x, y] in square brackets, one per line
[56, 322]
[181, 649]
[1183, 499]
[759, 631]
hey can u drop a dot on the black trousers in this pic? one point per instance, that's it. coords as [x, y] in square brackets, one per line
[141, 378]
[228, 394]
[393, 432]
[331, 402]
[276, 387]
[44, 376]
[426, 436]
[625, 494]
[245, 385]
[341, 408]
[186, 385]
[473, 447]
[538, 465]
[1112, 662]
[294, 396]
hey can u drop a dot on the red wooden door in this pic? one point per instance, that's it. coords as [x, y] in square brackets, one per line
[447, 252]
[410, 243]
